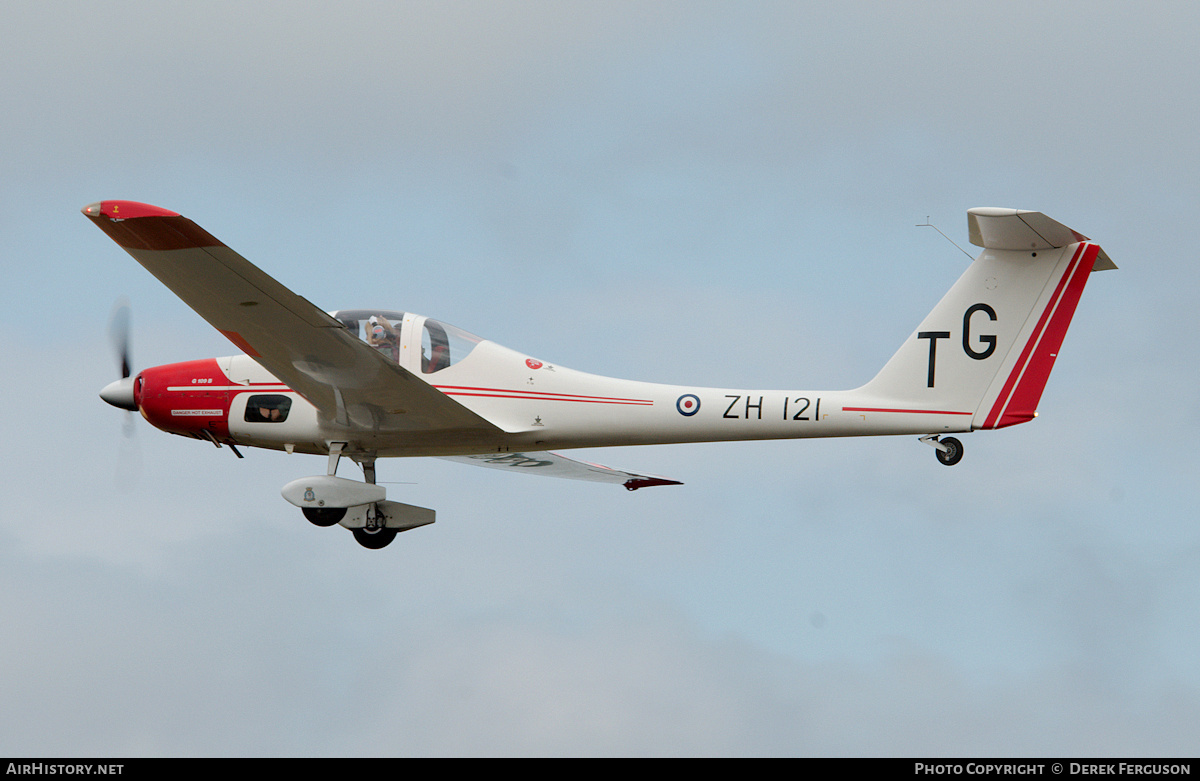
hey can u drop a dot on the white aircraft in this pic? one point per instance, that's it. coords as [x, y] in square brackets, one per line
[371, 383]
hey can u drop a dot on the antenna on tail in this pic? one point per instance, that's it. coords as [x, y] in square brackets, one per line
[928, 224]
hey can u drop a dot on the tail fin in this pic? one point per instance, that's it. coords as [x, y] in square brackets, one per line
[988, 347]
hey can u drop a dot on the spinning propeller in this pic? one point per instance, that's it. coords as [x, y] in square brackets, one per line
[119, 393]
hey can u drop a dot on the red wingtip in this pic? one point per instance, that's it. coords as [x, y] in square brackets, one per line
[125, 210]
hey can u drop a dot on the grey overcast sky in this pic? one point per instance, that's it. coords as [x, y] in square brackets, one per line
[712, 193]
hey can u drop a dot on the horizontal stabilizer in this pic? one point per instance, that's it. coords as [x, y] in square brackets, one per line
[1018, 229]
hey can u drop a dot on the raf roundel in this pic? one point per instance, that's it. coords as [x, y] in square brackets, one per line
[688, 404]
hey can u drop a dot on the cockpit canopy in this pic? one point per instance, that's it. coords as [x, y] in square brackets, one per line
[393, 334]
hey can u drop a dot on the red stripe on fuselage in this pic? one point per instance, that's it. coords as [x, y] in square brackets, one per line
[910, 411]
[507, 393]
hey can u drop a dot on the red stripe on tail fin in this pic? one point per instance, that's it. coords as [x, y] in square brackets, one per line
[1018, 400]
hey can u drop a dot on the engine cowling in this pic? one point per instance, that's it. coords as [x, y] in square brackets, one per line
[189, 398]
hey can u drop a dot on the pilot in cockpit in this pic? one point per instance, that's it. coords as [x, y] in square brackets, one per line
[383, 336]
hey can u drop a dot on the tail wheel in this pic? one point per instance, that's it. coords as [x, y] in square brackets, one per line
[379, 538]
[324, 516]
[953, 452]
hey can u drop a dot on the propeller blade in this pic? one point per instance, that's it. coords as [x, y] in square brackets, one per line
[119, 393]
[118, 334]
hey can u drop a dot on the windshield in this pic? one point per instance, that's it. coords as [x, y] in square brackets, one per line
[443, 345]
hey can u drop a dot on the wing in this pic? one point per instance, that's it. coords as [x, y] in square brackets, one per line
[350, 384]
[554, 465]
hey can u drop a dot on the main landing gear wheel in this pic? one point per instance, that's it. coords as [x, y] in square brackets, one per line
[953, 452]
[324, 516]
[379, 538]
